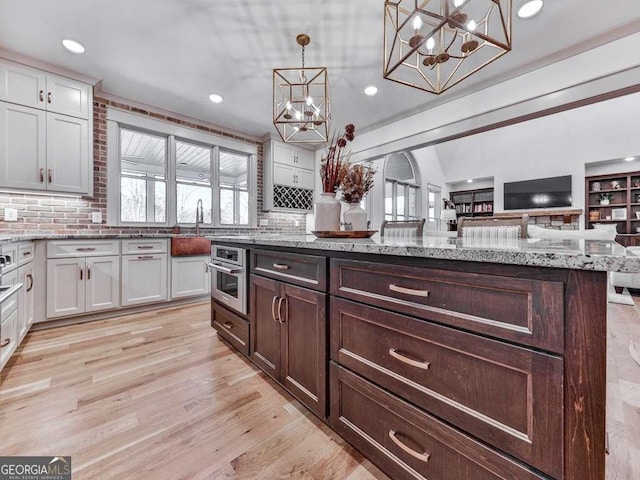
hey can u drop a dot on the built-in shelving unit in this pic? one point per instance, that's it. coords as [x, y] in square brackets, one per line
[615, 199]
[473, 203]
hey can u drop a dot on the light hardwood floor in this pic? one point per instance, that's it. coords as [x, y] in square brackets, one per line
[157, 395]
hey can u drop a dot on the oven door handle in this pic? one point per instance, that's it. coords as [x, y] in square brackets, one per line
[230, 271]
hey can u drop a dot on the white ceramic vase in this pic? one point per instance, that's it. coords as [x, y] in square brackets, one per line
[327, 210]
[356, 216]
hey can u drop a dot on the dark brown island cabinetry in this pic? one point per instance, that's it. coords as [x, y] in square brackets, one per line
[438, 369]
[288, 330]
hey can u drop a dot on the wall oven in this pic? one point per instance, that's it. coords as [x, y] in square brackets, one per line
[229, 277]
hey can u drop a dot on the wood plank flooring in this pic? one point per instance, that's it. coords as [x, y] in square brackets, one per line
[158, 395]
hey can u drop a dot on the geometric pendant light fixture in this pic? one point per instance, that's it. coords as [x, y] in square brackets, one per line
[301, 102]
[435, 44]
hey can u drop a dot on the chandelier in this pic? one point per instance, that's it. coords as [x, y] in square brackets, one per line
[301, 105]
[435, 44]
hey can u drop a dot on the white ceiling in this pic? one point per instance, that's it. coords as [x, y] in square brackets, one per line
[173, 53]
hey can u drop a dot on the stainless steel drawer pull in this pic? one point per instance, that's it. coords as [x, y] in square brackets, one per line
[85, 249]
[50, 175]
[227, 325]
[26, 254]
[49, 97]
[414, 363]
[230, 271]
[280, 319]
[80, 273]
[145, 247]
[42, 175]
[409, 291]
[5, 343]
[88, 273]
[273, 309]
[423, 457]
[30, 278]
[145, 257]
[41, 96]
[281, 266]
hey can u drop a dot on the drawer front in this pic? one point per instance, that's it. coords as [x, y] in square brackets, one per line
[11, 303]
[508, 396]
[230, 327]
[141, 246]
[25, 253]
[79, 248]
[530, 312]
[304, 270]
[407, 443]
[292, 177]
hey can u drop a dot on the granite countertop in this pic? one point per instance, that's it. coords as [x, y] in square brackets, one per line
[556, 253]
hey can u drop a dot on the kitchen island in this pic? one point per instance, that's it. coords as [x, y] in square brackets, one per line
[435, 357]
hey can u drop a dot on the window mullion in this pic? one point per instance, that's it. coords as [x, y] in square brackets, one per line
[215, 186]
[171, 213]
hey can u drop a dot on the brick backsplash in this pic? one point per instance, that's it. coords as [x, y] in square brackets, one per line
[65, 214]
[556, 222]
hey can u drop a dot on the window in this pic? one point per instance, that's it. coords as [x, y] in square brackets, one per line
[401, 188]
[193, 182]
[433, 207]
[157, 173]
[143, 181]
[234, 188]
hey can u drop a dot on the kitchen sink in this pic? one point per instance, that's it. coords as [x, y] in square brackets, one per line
[185, 246]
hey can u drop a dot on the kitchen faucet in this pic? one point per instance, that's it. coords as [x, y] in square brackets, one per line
[199, 216]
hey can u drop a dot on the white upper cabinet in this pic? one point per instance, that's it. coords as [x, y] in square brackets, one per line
[22, 85]
[67, 154]
[67, 97]
[289, 177]
[23, 144]
[37, 89]
[45, 134]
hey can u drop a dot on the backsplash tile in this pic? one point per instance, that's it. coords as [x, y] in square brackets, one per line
[71, 214]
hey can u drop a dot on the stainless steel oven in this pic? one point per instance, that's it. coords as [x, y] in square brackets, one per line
[229, 277]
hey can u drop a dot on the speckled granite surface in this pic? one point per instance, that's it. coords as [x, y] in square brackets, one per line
[557, 253]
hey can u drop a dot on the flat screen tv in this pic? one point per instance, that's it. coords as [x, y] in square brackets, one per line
[540, 193]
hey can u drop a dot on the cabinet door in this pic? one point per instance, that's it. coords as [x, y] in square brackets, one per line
[65, 287]
[265, 331]
[67, 97]
[144, 279]
[8, 337]
[26, 299]
[295, 157]
[22, 85]
[102, 283]
[292, 176]
[67, 154]
[189, 276]
[304, 345]
[22, 146]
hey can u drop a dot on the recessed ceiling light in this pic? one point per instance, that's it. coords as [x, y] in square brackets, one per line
[371, 90]
[215, 98]
[530, 8]
[73, 46]
[629, 159]
[470, 181]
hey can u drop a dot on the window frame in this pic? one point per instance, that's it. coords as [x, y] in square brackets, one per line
[437, 205]
[403, 184]
[117, 119]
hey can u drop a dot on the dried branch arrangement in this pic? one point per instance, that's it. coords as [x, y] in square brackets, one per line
[357, 183]
[335, 164]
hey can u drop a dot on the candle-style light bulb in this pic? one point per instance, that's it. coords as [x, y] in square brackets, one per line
[458, 3]
[309, 100]
[430, 44]
[417, 23]
[471, 26]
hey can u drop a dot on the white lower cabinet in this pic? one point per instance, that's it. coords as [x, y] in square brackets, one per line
[79, 285]
[102, 283]
[27, 299]
[144, 279]
[9, 337]
[189, 276]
